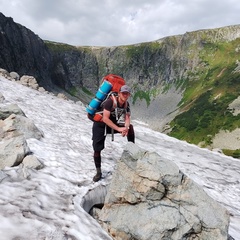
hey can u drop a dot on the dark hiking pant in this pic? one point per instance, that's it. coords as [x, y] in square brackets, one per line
[99, 132]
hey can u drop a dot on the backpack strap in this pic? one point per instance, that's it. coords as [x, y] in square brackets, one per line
[98, 115]
[114, 98]
[116, 110]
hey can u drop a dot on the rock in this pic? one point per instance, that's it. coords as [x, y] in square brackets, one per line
[93, 197]
[31, 161]
[6, 111]
[62, 96]
[4, 73]
[235, 106]
[12, 151]
[25, 168]
[34, 86]
[41, 89]
[14, 130]
[22, 124]
[149, 198]
[29, 81]
[14, 76]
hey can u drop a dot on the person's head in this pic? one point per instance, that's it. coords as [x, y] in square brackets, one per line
[124, 92]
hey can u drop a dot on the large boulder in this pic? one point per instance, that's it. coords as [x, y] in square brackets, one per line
[149, 198]
[22, 124]
[15, 128]
[12, 151]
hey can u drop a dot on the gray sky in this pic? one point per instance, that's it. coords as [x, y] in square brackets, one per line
[118, 22]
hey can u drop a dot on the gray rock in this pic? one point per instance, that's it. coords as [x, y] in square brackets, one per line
[31, 161]
[14, 76]
[22, 124]
[4, 73]
[12, 151]
[6, 111]
[149, 198]
[93, 197]
[14, 130]
[29, 81]
[41, 89]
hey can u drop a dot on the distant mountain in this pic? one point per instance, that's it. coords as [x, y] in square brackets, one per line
[182, 85]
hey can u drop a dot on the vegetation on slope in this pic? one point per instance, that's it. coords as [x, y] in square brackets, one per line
[205, 102]
[59, 47]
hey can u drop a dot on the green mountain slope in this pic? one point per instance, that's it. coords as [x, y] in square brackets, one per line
[205, 104]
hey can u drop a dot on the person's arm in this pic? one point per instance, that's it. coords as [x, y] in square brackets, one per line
[106, 119]
[127, 120]
[127, 124]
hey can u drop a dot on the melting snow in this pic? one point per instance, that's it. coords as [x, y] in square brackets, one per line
[47, 205]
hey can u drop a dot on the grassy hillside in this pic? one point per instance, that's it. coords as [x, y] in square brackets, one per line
[204, 107]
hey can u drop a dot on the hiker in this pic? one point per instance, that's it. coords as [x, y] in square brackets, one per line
[114, 121]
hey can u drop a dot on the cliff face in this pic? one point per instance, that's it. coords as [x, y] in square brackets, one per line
[145, 66]
[23, 52]
[74, 69]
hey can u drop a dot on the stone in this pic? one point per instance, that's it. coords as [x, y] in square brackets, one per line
[14, 130]
[14, 76]
[12, 151]
[150, 198]
[41, 89]
[4, 73]
[31, 161]
[7, 110]
[23, 125]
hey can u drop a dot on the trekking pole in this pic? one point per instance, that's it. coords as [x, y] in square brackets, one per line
[112, 131]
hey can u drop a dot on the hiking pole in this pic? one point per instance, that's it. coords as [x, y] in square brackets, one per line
[112, 131]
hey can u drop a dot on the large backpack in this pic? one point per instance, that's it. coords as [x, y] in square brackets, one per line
[110, 86]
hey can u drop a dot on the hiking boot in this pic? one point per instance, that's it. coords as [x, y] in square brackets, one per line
[98, 176]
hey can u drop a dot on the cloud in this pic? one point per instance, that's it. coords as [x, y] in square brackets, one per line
[119, 22]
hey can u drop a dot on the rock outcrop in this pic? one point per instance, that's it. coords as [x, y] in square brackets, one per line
[15, 129]
[149, 198]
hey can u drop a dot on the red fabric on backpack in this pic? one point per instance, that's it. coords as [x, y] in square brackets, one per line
[116, 81]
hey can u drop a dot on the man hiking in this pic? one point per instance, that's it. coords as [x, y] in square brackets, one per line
[115, 120]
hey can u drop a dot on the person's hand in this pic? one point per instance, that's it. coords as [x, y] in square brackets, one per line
[123, 131]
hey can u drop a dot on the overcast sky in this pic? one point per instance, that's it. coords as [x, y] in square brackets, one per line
[118, 22]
